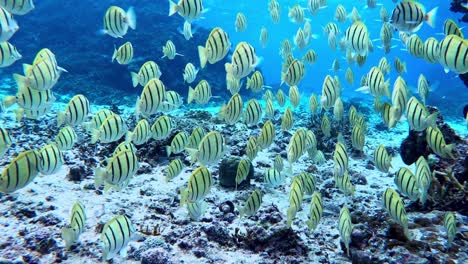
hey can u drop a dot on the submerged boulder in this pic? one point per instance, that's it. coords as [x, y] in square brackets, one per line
[228, 171]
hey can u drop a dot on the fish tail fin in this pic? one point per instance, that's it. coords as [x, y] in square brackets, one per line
[8, 101]
[173, 8]
[168, 151]
[95, 136]
[290, 216]
[202, 56]
[431, 17]
[222, 112]
[128, 137]
[183, 197]
[19, 114]
[431, 120]
[449, 150]
[249, 83]
[137, 108]
[21, 81]
[134, 78]
[69, 236]
[115, 54]
[193, 154]
[191, 95]
[99, 177]
[131, 18]
[61, 118]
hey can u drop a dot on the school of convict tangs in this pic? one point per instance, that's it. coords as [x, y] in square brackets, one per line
[268, 116]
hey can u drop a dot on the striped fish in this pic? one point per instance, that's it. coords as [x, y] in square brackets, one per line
[332, 29]
[196, 209]
[344, 183]
[117, 21]
[161, 128]
[408, 16]
[190, 73]
[423, 178]
[358, 138]
[361, 121]
[17, 7]
[149, 70]
[267, 135]
[301, 40]
[40, 76]
[406, 183]
[252, 204]
[423, 88]
[233, 85]
[140, 134]
[188, 9]
[124, 146]
[431, 50]
[173, 102]
[8, 25]
[268, 94]
[66, 138]
[151, 98]
[275, 15]
[197, 135]
[349, 76]
[294, 74]
[273, 177]
[115, 236]
[111, 130]
[294, 96]
[76, 112]
[395, 207]
[319, 157]
[169, 50]
[77, 224]
[97, 119]
[418, 117]
[310, 57]
[376, 83]
[232, 112]
[241, 22]
[287, 119]
[296, 146]
[386, 34]
[296, 14]
[340, 159]
[399, 101]
[255, 82]
[315, 212]
[384, 15]
[330, 92]
[352, 115]
[31, 99]
[280, 98]
[311, 143]
[216, 48]
[384, 66]
[178, 143]
[243, 62]
[454, 54]
[357, 38]
[400, 66]
[20, 172]
[325, 126]
[120, 169]
[435, 140]
[253, 112]
[382, 160]
[198, 187]
[50, 159]
[269, 109]
[187, 30]
[210, 149]
[415, 46]
[124, 54]
[263, 37]
[338, 109]
[296, 193]
[243, 169]
[340, 13]
[278, 163]
[345, 227]
[378, 107]
[5, 141]
[251, 148]
[8, 54]
[31, 113]
[313, 104]
[450, 226]
[201, 94]
[174, 169]
[451, 28]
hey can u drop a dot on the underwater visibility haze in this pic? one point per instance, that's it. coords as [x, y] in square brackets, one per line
[219, 131]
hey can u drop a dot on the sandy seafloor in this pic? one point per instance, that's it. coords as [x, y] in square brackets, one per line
[31, 218]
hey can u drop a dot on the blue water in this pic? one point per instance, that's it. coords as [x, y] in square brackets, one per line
[71, 30]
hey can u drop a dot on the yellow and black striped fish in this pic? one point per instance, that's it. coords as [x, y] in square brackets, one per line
[338, 109]
[251, 148]
[382, 160]
[118, 172]
[76, 112]
[178, 143]
[243, 62]
[267, 135]
[201, 94]
[263, 37]
[399, 101]
[196, 209]
[415, 46]
[50, 159]
[294, 74]
[151, 98]
[408, 16]
[278, 163]
[8, 25]
[273, 177]
[287, 119]
[308, 182]
[161, 128]
[357, 38]
[198, 187]
[423, 178]
[294, 96]
[66, 138]
[31, 99]
[253, 112]
[378, 87]
[344, 183]
[210, 149]
[243, 169]
[296, 146]
[5, 141]
[450, 226]
[330, 92]
[20, 172]
[423, 88]
[190, 73]
[345, 226]
[315, 212]
[173, 102]
[8, 54]
[400, 66]
[17, 7]
[124, 54]
[453, 54]
[395, 207]
[269, 109]
[174, 169]
[311, 143]
[111, 130]
[296, 194]
[349, 76]
[169, 50]
[188, 9]
[97, 119]
[325, 126]
[253, 204]
[124, 146]
[418, 117]
[197, 135]
[358, 138]
[310, 57]
[431, 50]
[233, 85]
[313, 104]
[241, 22]
[232, 112]
[340, 13]
[255, 82]
[340, 159]
[451, 28]
[40, 76]
[352, 115]
[117, 21]
[116, 235]
[216, 48]
[140, 134]
[435, 140]
[406, 183]
[280, 98]
[148, 71]
[77, 224]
